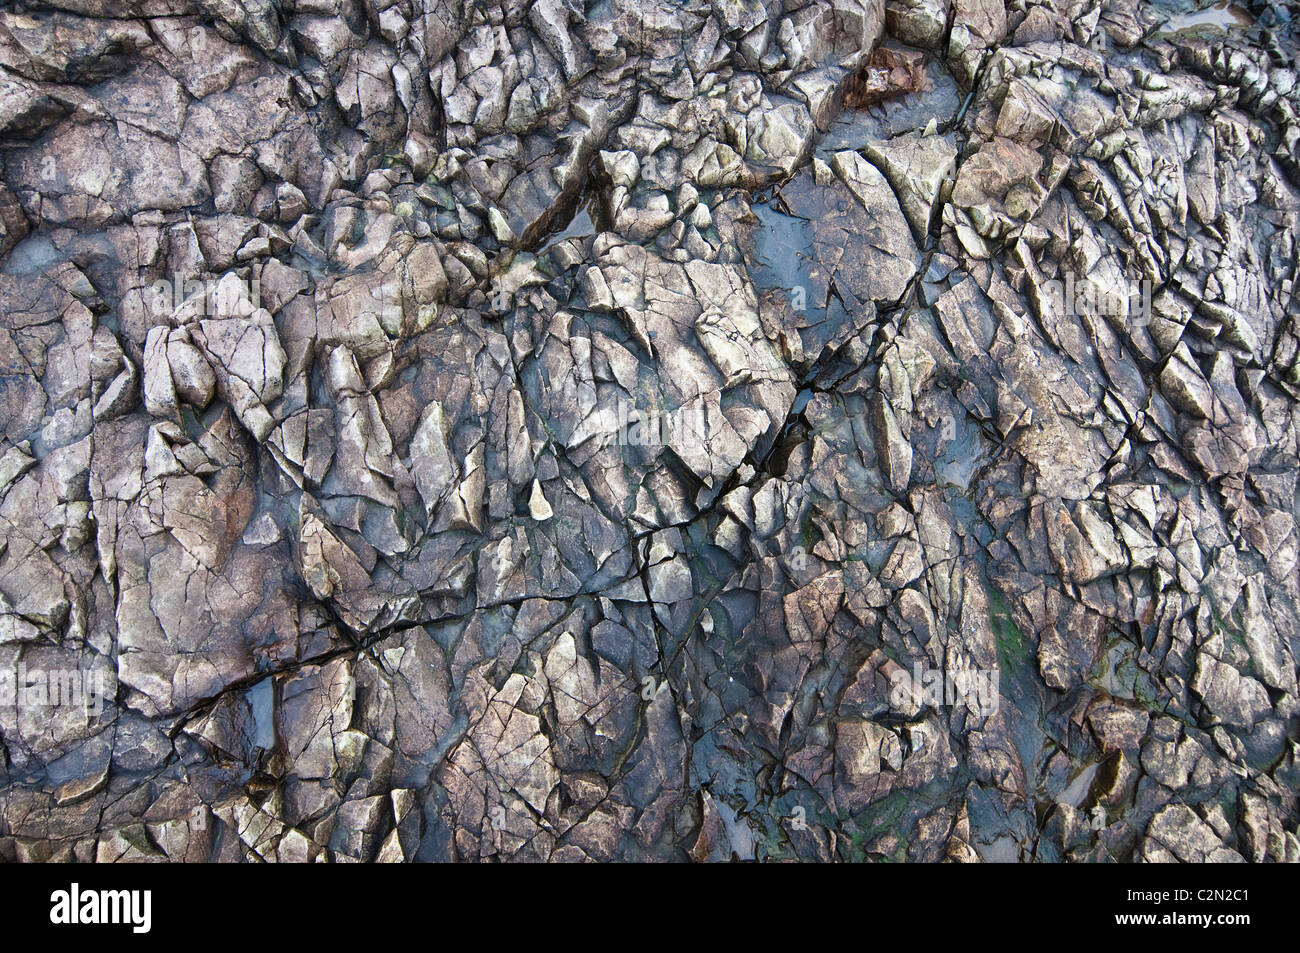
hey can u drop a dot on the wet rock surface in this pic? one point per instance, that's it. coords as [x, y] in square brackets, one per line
[824, 430]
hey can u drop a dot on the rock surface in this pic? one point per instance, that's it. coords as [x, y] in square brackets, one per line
[821, 429]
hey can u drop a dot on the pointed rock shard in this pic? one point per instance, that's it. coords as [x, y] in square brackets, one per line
[1184, 386]
[431, 460]
[538, 505]
[892, 447]
[159, 392]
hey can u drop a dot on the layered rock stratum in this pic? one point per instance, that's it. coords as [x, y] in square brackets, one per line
[462, 430]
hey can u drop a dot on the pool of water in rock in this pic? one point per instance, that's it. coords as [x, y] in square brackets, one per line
[1217, 18]
[783, 249]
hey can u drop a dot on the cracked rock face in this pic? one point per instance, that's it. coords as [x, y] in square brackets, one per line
[643, 430]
